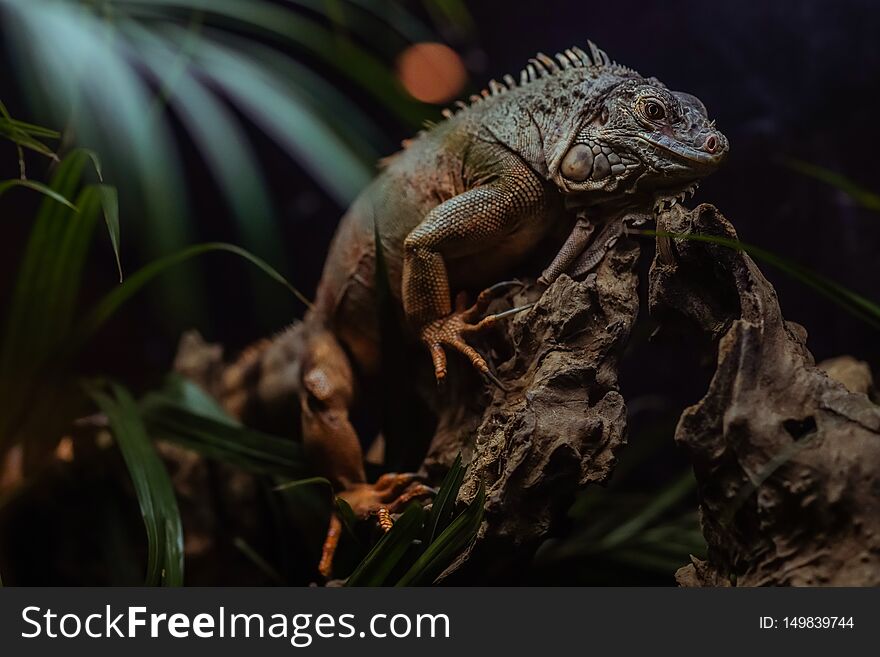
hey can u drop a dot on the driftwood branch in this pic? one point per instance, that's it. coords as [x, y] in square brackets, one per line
[561, 420]
[786, 457]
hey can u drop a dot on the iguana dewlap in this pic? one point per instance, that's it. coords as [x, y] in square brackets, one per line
[578, 142]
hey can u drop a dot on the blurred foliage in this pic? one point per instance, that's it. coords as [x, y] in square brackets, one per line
[42, 308]
[40, 398]
[863, 197]
[31, 137]
[622, 531]
[151, 484]
[44, 332]
[125, 76]
[182, 413]
[634, 530]
[866, 310]
[415, 551]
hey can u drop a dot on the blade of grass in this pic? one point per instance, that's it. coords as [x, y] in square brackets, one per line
[390, 549]
[443, 506]
[110, 206]
[856, 192]
[257, 559]
[180, 413]
[308, 481]
[151, 483]
[855, 304]
[6, 185]
[105, 308]
[39, 313]
[24, 140]
[25, 135]
[29, 128]
[449, 544]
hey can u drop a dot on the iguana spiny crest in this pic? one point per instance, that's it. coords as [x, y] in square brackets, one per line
[602, 133]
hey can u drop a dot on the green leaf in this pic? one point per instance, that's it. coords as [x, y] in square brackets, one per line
[231, 159]
[387, 554]
[308, 481]
[349, 520]
[152, 486]
[855, 304]
[6, 185]
[671, 495]
[865, 198]
[24, 140]
[112, 301]
[180, 392]
[96, 161]
[43, 298]
[257, 559]
[110, 205]
[443, 506]
[448, 545]
[180, 413]
[25, 134]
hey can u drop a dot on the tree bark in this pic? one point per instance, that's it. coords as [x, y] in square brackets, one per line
[560, 420]
[786, 458]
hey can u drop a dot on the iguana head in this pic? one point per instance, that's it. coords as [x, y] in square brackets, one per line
[639, 140]
[602, 133]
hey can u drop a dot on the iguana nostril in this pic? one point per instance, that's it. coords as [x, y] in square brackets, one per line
[711, 144]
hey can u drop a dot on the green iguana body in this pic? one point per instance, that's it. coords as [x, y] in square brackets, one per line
[578, 143]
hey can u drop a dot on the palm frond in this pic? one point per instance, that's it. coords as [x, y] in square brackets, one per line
[152, 486]
[97, 65]
[41, 311]
[864, 197]
[854, 303]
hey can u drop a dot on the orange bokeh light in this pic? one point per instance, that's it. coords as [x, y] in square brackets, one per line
[431, 72]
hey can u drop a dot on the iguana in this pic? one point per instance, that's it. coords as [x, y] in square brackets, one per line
[579, 143]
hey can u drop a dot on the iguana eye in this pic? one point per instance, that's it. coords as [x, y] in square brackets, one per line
[654, 110]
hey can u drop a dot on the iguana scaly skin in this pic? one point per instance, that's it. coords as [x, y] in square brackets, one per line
[579, 142]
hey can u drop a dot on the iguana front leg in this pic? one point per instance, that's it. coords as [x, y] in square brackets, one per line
[583, 249]
[572, 248]
[468, 224]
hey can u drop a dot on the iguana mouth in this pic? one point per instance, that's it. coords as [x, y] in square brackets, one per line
[667, 201]
[688, 154]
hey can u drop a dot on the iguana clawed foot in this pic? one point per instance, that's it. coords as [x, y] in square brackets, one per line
[391, 490]
[450, 331]
[389, 494]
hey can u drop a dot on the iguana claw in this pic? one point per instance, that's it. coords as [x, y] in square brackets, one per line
[451, 330]
[391, 492]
